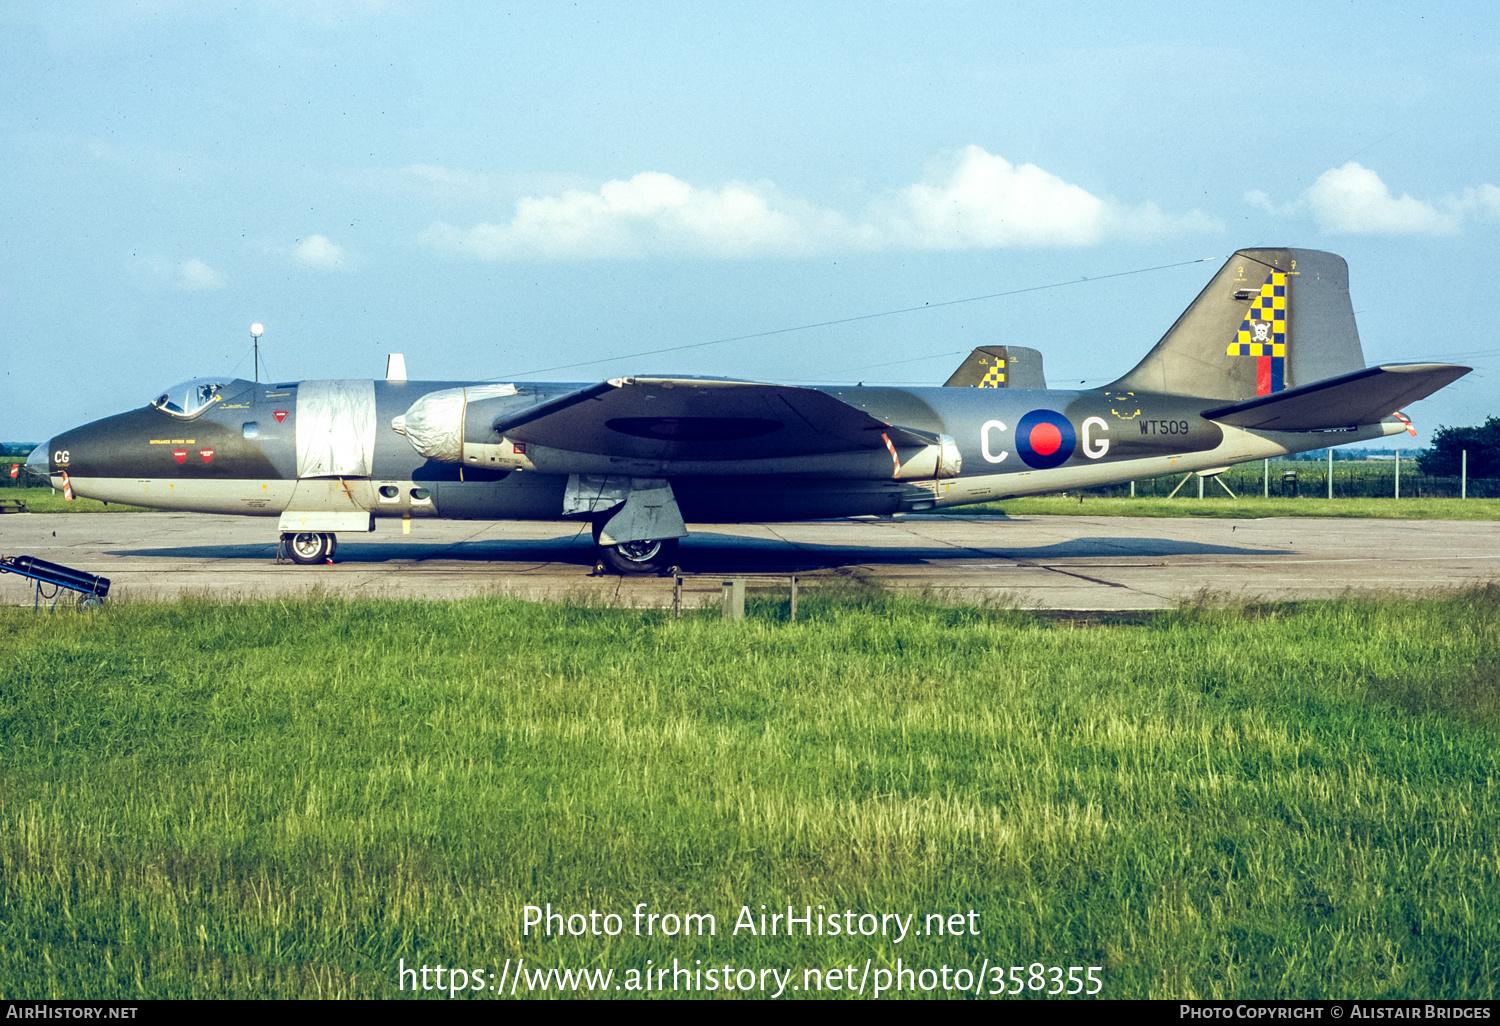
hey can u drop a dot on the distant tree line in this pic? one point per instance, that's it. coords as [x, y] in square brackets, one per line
[1445, 457]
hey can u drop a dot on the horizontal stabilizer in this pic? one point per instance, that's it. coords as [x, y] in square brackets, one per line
[1362, 397]
[700, 419]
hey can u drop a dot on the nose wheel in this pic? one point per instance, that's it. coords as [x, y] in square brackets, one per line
[309, 548]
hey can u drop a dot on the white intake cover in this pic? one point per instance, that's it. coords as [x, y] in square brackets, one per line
[435, 423]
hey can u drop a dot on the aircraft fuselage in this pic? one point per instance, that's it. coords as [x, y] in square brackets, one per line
[241, 455]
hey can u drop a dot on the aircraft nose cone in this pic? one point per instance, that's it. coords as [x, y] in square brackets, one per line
[37, 462]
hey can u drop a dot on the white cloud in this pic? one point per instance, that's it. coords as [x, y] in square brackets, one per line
[318, 251]
[196, 276]
[978, 200]
[987, 202]
[1483, 201]
[652, 213]
[1352, 200]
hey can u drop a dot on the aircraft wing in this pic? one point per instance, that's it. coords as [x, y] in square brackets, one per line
[1361, 397]
[702, 419]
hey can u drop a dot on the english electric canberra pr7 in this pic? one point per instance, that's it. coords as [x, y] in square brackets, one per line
[1266, 361]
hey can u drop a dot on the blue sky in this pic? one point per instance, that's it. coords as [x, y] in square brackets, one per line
[496, 191]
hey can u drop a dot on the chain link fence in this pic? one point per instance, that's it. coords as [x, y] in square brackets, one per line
[1352, 479]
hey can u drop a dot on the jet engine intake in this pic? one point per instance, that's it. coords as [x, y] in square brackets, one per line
[940, 460]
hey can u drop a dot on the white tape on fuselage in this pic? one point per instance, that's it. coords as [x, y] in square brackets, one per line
[336, 428]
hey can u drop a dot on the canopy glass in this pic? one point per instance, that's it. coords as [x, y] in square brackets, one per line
[191, 397]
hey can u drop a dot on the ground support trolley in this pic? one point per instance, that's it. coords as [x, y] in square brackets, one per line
[91, 589]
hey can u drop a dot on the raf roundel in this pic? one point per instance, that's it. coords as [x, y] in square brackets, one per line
[1045, 439]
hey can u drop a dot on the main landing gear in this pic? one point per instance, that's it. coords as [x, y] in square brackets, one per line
[309, 548]
[650, 556]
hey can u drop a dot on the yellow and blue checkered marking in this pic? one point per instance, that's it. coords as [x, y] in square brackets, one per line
[995, 376]
[1263, 333]
[1258, 349]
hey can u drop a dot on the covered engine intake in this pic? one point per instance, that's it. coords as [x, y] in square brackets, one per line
[434, 424]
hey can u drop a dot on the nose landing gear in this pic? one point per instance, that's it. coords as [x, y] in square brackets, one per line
[309, 548]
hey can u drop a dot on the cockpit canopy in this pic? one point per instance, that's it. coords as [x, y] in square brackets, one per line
[192, 397]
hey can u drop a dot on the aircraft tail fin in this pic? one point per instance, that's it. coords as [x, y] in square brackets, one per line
[999, 367]
[1270, 320]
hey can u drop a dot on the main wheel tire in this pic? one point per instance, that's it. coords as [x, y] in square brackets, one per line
[639, 557]
[310, 548]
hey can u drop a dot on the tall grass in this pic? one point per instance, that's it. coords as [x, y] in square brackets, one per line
[286, 798]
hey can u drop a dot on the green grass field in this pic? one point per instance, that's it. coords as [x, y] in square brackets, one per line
[44, 500]
[289, 798]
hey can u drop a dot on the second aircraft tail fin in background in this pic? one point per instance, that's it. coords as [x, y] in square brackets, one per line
[999, 367]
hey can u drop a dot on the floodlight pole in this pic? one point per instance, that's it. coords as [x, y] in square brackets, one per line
[1265, 491]
[1330, 471]
[256, 330]
[1398, 473]
[1463, 479]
